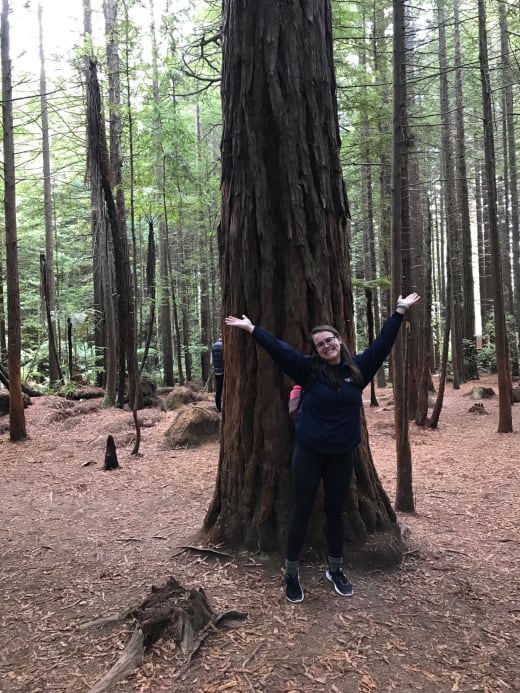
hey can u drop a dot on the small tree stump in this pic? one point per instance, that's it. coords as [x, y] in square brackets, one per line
[169, 611]
[172, 611]
[110, 455]
[477, 408]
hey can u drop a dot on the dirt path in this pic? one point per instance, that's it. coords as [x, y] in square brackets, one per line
[77, 544]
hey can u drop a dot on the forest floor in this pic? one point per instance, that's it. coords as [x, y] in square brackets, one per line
[79, 544]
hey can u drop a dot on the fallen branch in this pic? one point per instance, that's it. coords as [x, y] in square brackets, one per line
[253, 654]
[205, 550]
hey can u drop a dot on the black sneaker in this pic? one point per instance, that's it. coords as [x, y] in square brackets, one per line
[340, 582]
[293, 591]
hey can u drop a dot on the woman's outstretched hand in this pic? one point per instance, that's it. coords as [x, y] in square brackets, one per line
[243, 323]
[407, 302]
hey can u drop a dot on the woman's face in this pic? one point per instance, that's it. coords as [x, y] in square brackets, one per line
[328, 346]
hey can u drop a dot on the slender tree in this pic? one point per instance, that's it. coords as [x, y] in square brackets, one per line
[150, 284]
[511, 149]
[400, 250]
[449, 192]
[165, 285]
[461, 180]
[99, 151]
[16, 411]
[505, 422]
[48, 278]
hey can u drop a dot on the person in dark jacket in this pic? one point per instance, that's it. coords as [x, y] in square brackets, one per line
[327, 430]
[217, 361]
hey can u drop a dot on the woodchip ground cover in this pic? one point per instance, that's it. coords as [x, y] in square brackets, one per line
[78, 544]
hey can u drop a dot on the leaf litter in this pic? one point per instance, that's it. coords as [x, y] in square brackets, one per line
[79, 545]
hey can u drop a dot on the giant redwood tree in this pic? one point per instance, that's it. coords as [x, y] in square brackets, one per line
[284, 259]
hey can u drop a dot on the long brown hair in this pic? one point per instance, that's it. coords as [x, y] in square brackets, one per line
[346, 357]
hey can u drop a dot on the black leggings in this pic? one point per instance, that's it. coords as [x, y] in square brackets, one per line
[308, 468]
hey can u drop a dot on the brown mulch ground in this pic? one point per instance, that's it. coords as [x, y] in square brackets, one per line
[79, 544]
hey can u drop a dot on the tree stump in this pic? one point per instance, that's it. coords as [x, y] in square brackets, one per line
[479, 392]
[111, 455]
[477, 408]
[169, 611]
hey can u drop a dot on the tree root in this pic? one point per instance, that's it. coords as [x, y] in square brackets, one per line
[130, 658]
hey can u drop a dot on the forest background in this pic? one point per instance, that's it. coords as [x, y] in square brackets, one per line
[167, 120]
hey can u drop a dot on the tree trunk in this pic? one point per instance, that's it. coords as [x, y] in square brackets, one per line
[285, 257]
[14, 346]
[436, 413]
[507, 80]
[55, 374]
[400, 252]
[505, 423]
[99, 151]
[481, 247]
[150, 283]
[107, 324]
[452, 217]
[468, 293]
[165, 311]
[424, 321]
[382, 68]
[165, 319]
[3, 342]
[205, 313]
[53, 354]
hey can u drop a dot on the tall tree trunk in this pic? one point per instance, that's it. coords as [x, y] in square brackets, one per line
[434, 418]
[14, 347]
[505, 423]
[507, 81]
[468, 293]
[110, 8]
[481, 247]
[424, 328]
[55, 374]
[165, 311]
[205, 313]
[452, 218]
[285, 257]
[106, 326]
[165, 308]
[48, 315]
[103, 343]
[382, 68]
[99, 151]
[3, 341]
[400, 252]
[150, 283]
[130, 182]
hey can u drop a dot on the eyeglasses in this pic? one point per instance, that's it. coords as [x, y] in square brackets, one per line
[325, 342]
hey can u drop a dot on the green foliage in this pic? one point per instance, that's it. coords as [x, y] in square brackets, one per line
[487, 355]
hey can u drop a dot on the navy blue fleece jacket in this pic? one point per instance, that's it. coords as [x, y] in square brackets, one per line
[329, 417]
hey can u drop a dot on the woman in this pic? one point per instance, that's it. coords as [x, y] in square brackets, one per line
[327, 430]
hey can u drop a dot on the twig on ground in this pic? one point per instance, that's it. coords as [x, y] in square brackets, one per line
[253, 654]
[203, 550]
